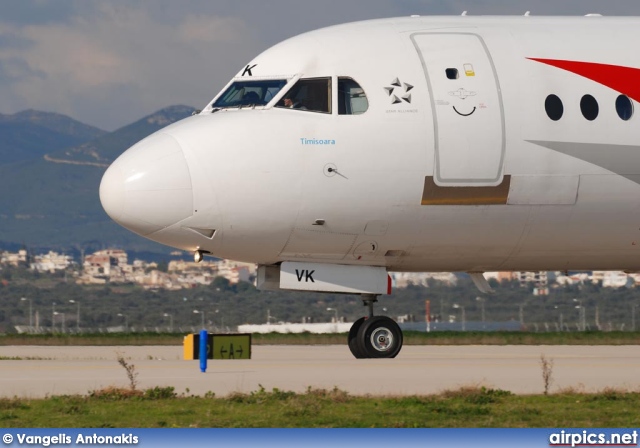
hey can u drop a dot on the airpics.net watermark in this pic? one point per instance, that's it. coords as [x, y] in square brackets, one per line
[64, 439]
[588, 438]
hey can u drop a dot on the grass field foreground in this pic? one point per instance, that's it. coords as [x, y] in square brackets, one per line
[465, 407]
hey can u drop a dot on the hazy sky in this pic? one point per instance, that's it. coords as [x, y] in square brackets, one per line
[110, 62]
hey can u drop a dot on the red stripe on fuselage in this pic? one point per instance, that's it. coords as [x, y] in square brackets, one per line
[625, 80]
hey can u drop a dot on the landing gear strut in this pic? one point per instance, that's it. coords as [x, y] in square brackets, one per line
[374, 336]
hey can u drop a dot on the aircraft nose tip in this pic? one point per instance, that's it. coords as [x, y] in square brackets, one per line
[112, 192]
[148, 187]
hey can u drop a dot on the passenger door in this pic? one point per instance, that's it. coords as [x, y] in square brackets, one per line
[467, 108]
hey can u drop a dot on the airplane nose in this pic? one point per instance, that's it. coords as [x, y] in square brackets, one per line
[148, 187]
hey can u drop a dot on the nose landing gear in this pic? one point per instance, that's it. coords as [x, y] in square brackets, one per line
[198, 255]
[374, 336]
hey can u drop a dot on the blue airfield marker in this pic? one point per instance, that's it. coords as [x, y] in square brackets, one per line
[203, 351]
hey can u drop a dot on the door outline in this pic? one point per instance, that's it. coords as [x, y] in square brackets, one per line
[437, 175]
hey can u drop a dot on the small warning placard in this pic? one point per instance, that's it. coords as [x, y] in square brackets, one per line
[232, 346]
[219, 346]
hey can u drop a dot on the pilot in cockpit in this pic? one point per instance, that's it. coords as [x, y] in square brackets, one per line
[293, 103]
[293, 99]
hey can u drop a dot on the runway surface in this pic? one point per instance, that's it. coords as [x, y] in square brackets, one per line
[417, 370]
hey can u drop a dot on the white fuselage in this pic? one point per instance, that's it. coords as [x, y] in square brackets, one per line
[447, 170]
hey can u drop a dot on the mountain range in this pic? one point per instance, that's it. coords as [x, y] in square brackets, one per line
[31, 134]
[50, 171]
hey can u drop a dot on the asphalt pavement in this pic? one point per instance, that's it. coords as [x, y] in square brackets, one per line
[46, 371]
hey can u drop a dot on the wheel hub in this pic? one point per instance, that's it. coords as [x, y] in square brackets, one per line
[382, 339]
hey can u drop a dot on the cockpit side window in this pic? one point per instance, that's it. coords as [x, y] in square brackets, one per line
[351, 97]
[249, 93]
[313, 94]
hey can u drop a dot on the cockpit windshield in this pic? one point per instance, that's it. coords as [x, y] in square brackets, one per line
[249, 93]
[310, 94]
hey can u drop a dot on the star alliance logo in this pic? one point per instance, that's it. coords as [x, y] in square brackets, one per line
[399, 91]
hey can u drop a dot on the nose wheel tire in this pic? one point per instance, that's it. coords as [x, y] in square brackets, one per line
[353, 339]
[378, 337]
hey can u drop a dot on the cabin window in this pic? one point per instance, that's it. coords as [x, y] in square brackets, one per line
[452, 73]
[351, 98]
[624, 107]
[589, 107]
[313, 95]
[554, 108]
[249, 93]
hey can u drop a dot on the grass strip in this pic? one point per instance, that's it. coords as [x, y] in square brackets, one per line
[465, 407]
[410, 338]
